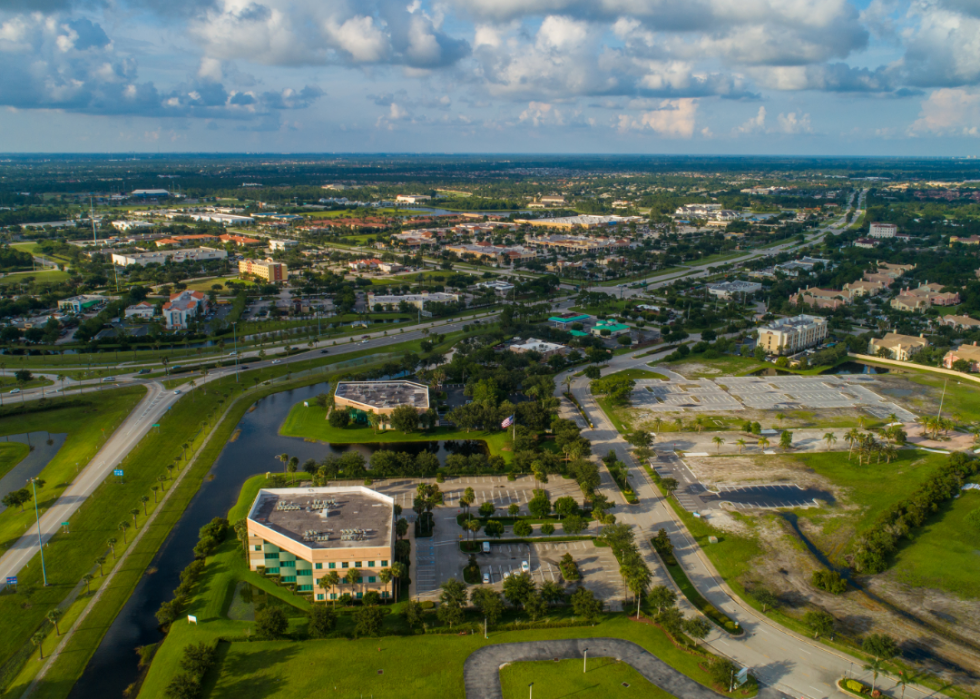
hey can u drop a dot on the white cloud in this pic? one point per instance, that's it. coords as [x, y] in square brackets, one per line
[949, 112]
[541, 113]
[673, 119]
[793, 123]
[755, 124]
[943, 44]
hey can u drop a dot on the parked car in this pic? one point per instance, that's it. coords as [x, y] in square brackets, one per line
[525, 567]
[486, 547]
[323, 351]
[486, 578]
[177, 392]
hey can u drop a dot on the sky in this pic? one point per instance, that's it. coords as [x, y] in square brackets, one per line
[781, 77]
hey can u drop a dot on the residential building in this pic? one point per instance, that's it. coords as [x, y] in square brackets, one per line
[282, 245]
[733, 289]
[412, 198]
[928, 294]
[83, 303]
[615, 329]
[971, 240]
[867, 243]
[581, 221]
[821, 298]
[240, 240]
[303, 535]
[182, 307]
[381, 397]
[882, 230]
[863, 288]
[970, 353]
[161, 257]
[414, 300]
[545, 349]
[268, 270]
[892, 271]
[899, 347]
[143, 309]
[790, 335]
[959, 321]
[907, 302]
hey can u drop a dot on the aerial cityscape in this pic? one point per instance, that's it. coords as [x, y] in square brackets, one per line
[489, 350]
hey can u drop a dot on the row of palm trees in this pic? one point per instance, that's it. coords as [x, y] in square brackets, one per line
[353, 577]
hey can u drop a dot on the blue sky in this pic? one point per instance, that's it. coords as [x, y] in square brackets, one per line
[822, 77]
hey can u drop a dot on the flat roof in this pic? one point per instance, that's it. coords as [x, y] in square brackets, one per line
[569, 318]
[385, 394]
[324, 518]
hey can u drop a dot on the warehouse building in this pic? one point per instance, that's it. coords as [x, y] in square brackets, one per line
[304, 534]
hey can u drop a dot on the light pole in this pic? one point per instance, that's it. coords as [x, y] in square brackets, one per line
[37, 517]
[585, 659]
[530, 691]
[234, 334]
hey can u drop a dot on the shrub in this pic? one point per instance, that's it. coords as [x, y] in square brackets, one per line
[829, 581]
[271, 622]
[973, 519]
[855, 686]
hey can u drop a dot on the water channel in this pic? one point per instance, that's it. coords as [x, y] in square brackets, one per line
[114, 665]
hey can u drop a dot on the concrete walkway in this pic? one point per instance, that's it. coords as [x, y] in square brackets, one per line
[482, 669]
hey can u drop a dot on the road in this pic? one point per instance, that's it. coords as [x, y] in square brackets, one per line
[157, 401]
[777, 656]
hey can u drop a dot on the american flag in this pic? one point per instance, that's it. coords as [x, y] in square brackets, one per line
[508, 422]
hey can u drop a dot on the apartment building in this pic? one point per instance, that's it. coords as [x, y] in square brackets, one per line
[789, 335]
[970, 353]
[821, 298]
[882, 230]
[899, 347]
[302, 536]
[182, 307]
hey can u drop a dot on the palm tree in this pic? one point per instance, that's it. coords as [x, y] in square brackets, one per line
[38, 639]
[699, 423]
[292, 467]
[905, 677]
[763, 443]
[284, 458]
[851, 437]
[892, 417]
[144, 499]
[680, 424]
[830, 438]
[61, 378]
[385, 575]
[329, 581]
[398, 572]
[135, 513]
[87, 579]
[155, 489]
[53, 616]
[657, 422]
[568, 385]
[718, 442]
[352, 578]
[741, 444]
[112, 545]
[874, 666]
[123, 526]
[100, 561]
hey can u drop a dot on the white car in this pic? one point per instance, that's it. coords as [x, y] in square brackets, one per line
[177, 392]
[486, 578]
[525, 567]
[15, 390]
[275, 361]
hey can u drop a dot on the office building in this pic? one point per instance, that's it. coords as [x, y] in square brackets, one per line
[734, 289]
[162, 257]
[790, 335]
[381, 397]
[414, 300]
[882, 230]
[304, 535]
[268, 270]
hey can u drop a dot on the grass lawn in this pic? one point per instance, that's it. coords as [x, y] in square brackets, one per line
[310, 423]
[605, 678]
[610, 307]
[51, 277]
[9, 383]
[696, 367]
[640, 374]
[945, 552]
[11, 454]
[206, 284]
[962, 397]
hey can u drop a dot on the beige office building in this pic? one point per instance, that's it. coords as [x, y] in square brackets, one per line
[304, 534]
[381, 397]
[789, 335]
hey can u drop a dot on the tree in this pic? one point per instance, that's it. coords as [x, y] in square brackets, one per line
[53, 616]
[881, 646]
[552, 591]
[523, 528]
[405, 418]
[535, 606]
[539, 505]
[339, 418]
[368, 620]
[271, 622]
[183, 686]
[573, 524]
[198, 658]
[451, 601]
[668, 485]
[722, 670]
[487, 509]
[697, 627]
[640, 439]
[820, 622]
[567, 506]
[765, 597]
[718, 442]
[413, 614]
[489, 603]
[323, 620]
[569, 568]
[493, 528]
[786, 439]
[662, 597]
[517, 588]
[547, 529]
[585, 604]
[593, 372]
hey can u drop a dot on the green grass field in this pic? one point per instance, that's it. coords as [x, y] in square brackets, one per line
[945, 554]
[640, 374]
[310, 423]
[206, 284]
[605, 678]
[52, 276]
[11, 454]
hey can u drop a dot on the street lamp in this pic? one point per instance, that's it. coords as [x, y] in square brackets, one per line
[530, 690]
[37, 517]
[585, 659]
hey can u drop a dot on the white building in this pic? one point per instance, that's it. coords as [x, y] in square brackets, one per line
[412, 198]
[161, 257]
[143, 309]
[414, 300]
[182, 307]
[213, 217]
[790, 335]
[727, 290]
[129, 225]
[499, 287]
[280, 245]
[546, 349]
[882, 230]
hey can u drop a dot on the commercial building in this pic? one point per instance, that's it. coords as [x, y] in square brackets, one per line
[970, 353]
[727, 290]
[567, 320]
[268, 270]
[149, 193]
[900, 347]
[130, 225]
[789, 335]
[578, 244]
[143, 309]
[581, 221]
[381, 397]
[303, 535]
[969, 240]
[282, 245]
[239, 240]
[412, 198]
[615, 329]
[413, 300]
[178, 311]
[804, 265]
[83, 303]
[882, 230]
[494, 252]
[222, 219]
[499, 287]
[545, 349]
[161, 257]
[185, 239]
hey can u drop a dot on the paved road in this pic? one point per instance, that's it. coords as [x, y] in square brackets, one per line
[482, 669]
